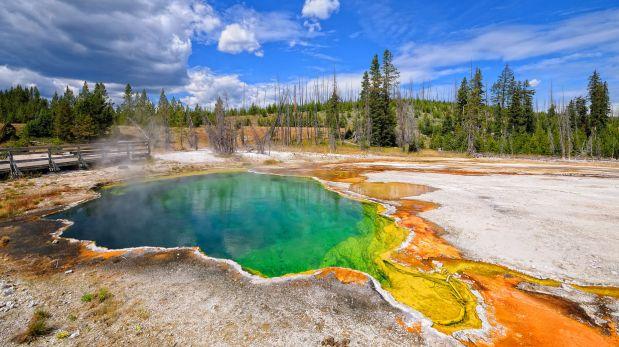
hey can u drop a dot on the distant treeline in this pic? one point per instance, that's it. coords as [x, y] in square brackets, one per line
[501, 120]
[84, 117]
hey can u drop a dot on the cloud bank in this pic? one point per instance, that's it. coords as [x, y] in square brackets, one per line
[146, 42]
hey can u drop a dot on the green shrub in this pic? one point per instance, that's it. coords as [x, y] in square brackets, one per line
[8, 133]
[103, 294]
[41, 126]
[37, 326]
[87, 297]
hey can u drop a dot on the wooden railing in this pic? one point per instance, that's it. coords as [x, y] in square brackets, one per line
[16, 160]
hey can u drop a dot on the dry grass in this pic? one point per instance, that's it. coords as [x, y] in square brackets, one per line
[353, 149]
[103, 308]
[4, 241]
[12, 205]
[308, 144]
[271, 162]
[37, 326]
[20, 198]
[106, 312]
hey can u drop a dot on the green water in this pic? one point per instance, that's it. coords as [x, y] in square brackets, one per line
[269, 224]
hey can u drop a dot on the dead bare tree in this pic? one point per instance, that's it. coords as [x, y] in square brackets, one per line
[298, 115]
[407, 129]
[240, 126]
[263, 141]
[192, 135]
[143, 132]
[315, 113]
[401, 126]
[135, 124]
[167, 136]
[564, 135]
[222, 133]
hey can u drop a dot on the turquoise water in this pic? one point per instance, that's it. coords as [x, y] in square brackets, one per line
[270, 224]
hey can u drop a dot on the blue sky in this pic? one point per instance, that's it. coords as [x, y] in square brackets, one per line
[198, 50]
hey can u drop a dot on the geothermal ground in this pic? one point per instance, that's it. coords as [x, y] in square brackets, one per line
[537, 243]
[564, 228]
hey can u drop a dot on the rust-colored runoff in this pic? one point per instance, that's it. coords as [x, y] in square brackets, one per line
[518, 317]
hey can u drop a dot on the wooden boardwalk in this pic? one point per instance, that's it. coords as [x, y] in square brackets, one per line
[14, 161]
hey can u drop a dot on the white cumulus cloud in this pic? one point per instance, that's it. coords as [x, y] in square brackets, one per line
[236, 39]
[205, 87]
[249, 29]
[534, 82]
[320, 9]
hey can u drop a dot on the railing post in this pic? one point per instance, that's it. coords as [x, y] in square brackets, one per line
[14, 170]
[52, 165]
[80, 161]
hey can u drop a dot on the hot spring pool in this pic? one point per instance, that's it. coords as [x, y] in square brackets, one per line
[269, 224]
[272, 226]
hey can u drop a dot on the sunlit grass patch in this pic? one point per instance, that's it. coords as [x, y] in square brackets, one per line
[37, 326]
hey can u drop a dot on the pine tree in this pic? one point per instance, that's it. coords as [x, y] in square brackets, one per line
[333, 116]
[551, 119]
[552, 111]
[390, 85]
[376, 103]
[582, 115]
[461, 98]
[103, 111]
[474, 105]
[163, 106]
[390, 76]
[503, 88]
[600, 103]
[539, 140]
[85, 127]
[163, 115]
[365, 87]
[63, 116]
[364, 122]
[127, 108]
[572, 114]
[527, 106]
[144, 109]
[515, 110]
[502, 91]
